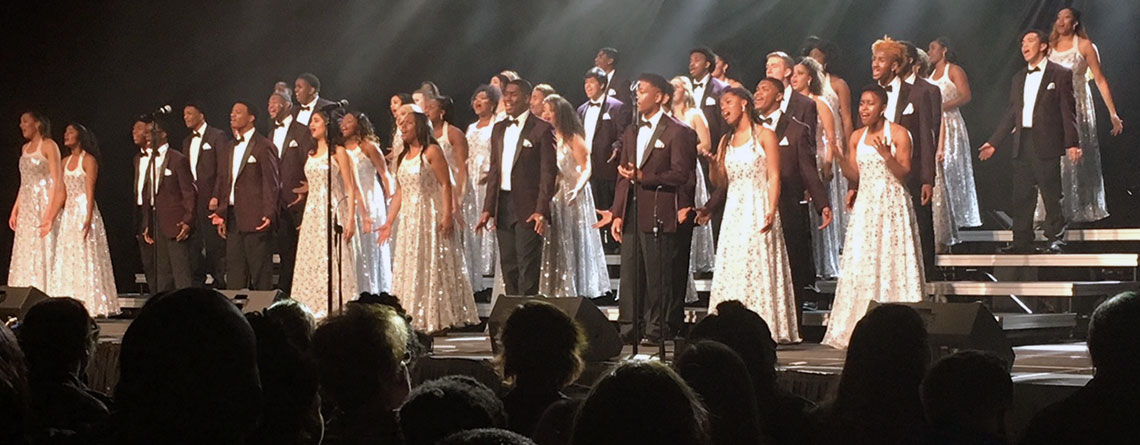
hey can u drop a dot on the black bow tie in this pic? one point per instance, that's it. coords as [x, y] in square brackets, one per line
[512, 122]
[644, 123]
[195, 135]
[766, 120]
[889, 88]
[239, 140]
[306, 108]
[278, 124]
[698, 85]
[599, 104]
[1034, 70]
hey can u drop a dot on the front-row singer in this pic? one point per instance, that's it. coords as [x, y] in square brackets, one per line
[173, 204]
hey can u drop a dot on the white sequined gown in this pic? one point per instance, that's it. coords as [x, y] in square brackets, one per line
[32, 255]
[466, 201]
[573, 262]
[752, 267]
[882, 259]
[429, 273]
[480, 246]
[955, 195]
[310, 275]
[1082, 184]
[827, 243]
[374, 261]
[82, 269]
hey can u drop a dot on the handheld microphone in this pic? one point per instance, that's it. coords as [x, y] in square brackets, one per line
[163, 110]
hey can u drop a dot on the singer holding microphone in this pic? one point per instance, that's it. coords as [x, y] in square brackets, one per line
[247, 194]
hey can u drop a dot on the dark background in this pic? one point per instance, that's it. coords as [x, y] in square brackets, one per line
[102, 63]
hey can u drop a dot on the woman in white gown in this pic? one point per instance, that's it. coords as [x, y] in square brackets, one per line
[313, 269]
[429, 273]
[881, 258]
[573, 262]
[752, 260]
[807, 79]
[955, 195]
[83, 268]
[374, 261]
[34, 215]
[454, 145]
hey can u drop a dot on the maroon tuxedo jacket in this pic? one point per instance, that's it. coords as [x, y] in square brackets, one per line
[257, 188]
[207, 169]
[534, 172]
[667, 170]
[710, 106]
[1054, 114]
[291, 163]
[175, 196]
[612, 120]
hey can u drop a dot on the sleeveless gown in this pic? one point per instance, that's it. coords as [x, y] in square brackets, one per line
[752, 267]
[83, 269]
[374, 262]
[310, 275]
[480, 246]
[32, 255]
[429, 273]
[463, 225]
[827, 243]
[1082, 184]
[955, 194]
[882, 260]
[573, 262]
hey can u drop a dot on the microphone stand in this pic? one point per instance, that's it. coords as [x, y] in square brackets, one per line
[152, 210]
[638, 303]
[333, 229]
[657, 229]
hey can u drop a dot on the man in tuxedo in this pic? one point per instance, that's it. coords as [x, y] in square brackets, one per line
[201, 149]
[909, 106]
[616, 84]
[139, 136]
[247, 192]
[307, 90]
[1041, 118]
[657, 169]
[604, 118]
[798, 172]
[932, 98]
[706, 92]
[779, 65]
[520, 185]
[164, 174]
[291, 143]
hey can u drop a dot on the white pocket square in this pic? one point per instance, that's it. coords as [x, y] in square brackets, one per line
[527, 144]
[710, 101]
[909, 109]
[207, 146]
[1052, 86]
[252, 160]
[784, 141]
[293, 144]
[606, 117]
[167, 172]
[612, 92]
[658, 144]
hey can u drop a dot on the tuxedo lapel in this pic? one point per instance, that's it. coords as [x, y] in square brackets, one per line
[1046, 79]
[160, 171]
[1018, 92]
[904, 96]
[523, 136]
[782, 125]
[653, 138]
[245, 158]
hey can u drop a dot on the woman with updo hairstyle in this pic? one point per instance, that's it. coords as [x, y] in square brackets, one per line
[38, 203]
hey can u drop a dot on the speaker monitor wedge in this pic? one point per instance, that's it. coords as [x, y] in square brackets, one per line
[15, 301]
[951, 327]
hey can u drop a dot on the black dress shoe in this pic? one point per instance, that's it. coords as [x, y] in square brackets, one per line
[652, 342]
[1018, 249]
[1055, 247]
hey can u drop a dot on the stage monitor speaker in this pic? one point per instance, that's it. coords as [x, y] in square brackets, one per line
[15, 301]
[602, 340]
[253, 300]
[952, 327]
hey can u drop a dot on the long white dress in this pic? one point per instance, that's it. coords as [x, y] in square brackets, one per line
[828, 243]
[33, 255]
[882, 259]
[311, 274]
[480, 245]
[83, 268]
[466, 201]
[573, 262]
[1082, 184]
[429, 273]
[752, 267]
[374, 261]
[955, 195]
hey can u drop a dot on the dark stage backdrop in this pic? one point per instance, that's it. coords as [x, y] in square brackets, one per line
[102, 63]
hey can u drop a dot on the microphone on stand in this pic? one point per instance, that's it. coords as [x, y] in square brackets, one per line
[343, 103]
[163, 110]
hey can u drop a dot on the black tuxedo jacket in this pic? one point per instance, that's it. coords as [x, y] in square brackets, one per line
[174, 196]
[534, 172]
[291, 162]
[206, 172]
[667, 174]
[798, 170]
[804, 110]
[710, 106]
[257, 188]
[933, 101]
[612, 120]
[1054, 114]
[619, 87]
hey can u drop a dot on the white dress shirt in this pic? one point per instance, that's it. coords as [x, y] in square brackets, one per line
[304, 115]
[775, 116]
[510, 146]
[644, 133]
[910, 79]
[239, 156]
[144, 163]
[1032, 85]
[699, 92]
[279, 134]
[787, 98]
[196, 149]
[892, 98]
[590, 120]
